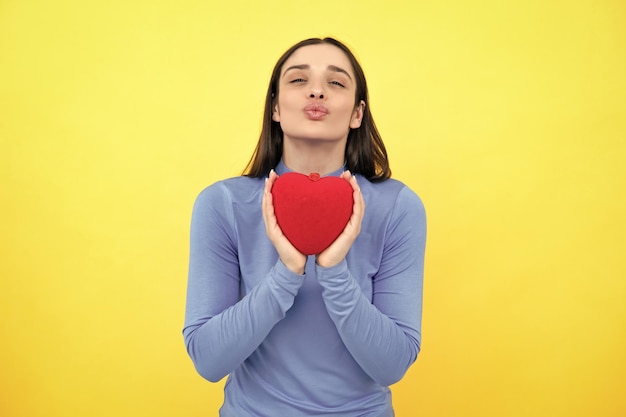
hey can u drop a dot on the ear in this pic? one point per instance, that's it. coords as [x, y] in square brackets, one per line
[357, 115]
[275, 114]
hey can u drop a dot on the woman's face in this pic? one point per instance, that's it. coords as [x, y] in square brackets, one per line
[316, 91]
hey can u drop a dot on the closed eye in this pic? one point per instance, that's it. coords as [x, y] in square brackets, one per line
[297, 80]
[337, 83]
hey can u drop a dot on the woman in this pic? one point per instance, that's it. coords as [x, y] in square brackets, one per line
[308, 335]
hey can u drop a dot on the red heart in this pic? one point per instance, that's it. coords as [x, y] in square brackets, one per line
[311, 211]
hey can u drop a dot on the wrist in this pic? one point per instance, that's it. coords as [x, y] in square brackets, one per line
[329, 272]
[295, 266]
[326, 262]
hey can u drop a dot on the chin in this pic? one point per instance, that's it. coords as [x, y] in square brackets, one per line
[318, 138]
[316, 135]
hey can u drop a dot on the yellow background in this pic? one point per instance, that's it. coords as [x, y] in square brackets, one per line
[508, 118]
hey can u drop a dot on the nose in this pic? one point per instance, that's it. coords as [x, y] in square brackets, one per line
[316, 94]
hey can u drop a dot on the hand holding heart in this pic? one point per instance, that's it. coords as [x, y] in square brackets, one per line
[331, 233]
[288, 254]
[338, 250]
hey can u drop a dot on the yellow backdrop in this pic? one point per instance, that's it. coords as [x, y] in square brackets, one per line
[508, 120]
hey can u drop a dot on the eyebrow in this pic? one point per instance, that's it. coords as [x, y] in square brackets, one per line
[333, 68]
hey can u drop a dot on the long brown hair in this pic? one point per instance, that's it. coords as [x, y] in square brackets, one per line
[365, 151]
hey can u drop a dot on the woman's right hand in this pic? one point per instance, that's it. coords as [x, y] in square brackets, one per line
[288, 254]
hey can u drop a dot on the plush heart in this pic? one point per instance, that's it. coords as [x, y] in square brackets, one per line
[311, 211]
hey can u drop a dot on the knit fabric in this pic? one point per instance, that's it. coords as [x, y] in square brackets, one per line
[328, 342]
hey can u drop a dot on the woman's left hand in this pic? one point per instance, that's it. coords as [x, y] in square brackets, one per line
[338, 250]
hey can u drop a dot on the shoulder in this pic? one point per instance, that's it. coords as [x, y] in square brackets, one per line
[224, 193]
[390, 194]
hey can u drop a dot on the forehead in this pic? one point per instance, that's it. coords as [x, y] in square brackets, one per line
[319, 55]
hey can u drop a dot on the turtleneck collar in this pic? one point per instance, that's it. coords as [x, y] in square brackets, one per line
[281, 168]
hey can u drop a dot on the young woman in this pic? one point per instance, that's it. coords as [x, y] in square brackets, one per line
[308, 335]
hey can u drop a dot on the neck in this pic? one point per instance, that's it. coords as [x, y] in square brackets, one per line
[306, 157]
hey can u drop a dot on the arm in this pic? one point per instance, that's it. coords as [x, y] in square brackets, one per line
[384, 336]
[221, 330]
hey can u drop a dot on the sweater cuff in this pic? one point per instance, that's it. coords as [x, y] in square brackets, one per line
[332, 273]
[286, 279]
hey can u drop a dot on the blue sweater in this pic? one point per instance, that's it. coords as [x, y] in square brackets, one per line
[328, 342]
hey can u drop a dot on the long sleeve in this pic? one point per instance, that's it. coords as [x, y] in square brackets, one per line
[221, 330]
[383, 336]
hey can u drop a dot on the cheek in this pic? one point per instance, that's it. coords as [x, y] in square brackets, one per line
[348, 108]
[286, 101]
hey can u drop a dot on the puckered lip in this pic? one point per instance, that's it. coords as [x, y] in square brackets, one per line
[315, 111]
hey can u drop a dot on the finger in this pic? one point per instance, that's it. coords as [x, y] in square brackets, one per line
[271, 178]
[359, 204]
[264, 203]
[269, 183]
[358, 209]
[267, 204]
[346, 175]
